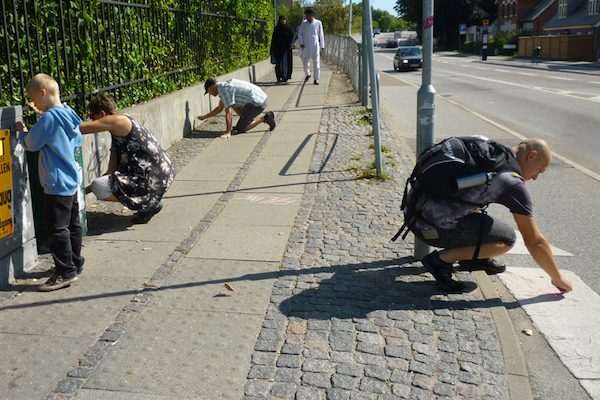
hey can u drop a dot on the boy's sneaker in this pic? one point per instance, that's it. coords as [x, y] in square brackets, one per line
[489, 265]
[56, 282]
[270, 120]
[442, 272]
[142, 217]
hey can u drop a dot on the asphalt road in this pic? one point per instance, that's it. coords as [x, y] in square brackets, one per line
[507, 102]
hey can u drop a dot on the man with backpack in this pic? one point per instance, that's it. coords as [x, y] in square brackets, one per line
[450, 187]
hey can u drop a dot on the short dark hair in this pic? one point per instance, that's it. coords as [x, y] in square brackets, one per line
[209, 82]
[102, 102]
[309, 11]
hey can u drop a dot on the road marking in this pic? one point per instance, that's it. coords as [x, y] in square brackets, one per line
[527, 73]
[520, 248]
[596, 82]
[506, 129]
[500, 70]
[569, 322]
[561, 78]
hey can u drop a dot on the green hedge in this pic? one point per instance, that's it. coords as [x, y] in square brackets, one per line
[136, 49]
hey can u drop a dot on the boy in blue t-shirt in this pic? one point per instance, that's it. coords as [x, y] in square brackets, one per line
[56, 135]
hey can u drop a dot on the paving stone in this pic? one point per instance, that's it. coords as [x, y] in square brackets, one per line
[399, 351]
[263, 358]
[422, 368]
[284, 390]
[378, 371]
[287, 375]
[289, 361]
[341, 341]
[401, 390]
[349, 369]
[257, 388]
[261, 372]
[308, 393]
[423, 381]
[338, 394]
[373, 386]
[315, 379]
[443, 389]
[344, 381]
[311, 365]
[369, 348]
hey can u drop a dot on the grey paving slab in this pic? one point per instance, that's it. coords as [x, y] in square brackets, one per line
[296, 144]
[267, 174]
[181, 353]
[92, 394]
[130, 258]
[195, 198]
[268, 209]
[218, 171]
[32, 364]
[84, 309]
[230, 151]
[199, 284]
[242, 242]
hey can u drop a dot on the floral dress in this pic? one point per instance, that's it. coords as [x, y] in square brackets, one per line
[144, 170]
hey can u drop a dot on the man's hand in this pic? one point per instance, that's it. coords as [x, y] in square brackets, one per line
[563, 284]
[21, 127]
[201, 117]
[301, 46]
[32, 106]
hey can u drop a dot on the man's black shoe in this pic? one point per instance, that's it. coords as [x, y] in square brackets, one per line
[270, 120]
[307, 78]
[489, 265]
[442, 272]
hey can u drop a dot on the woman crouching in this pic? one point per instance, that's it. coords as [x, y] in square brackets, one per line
[139, 170]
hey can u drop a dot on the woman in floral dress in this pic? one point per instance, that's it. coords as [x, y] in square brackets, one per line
[139, 170]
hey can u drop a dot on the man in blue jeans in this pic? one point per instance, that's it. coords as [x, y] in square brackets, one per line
[245, 98]
[459, 228]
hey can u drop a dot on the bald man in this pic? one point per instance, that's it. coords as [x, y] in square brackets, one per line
[457, 228]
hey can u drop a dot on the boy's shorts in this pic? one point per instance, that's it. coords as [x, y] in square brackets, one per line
[247, 115]
[468, 231]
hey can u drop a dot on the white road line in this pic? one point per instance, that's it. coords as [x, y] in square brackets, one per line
[527, 73]
[596, 82]
[506, 129]
[500, 70]
[569, 322]
[562, 78]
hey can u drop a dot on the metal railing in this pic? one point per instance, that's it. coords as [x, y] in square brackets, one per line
[343, 51]
[134, 49]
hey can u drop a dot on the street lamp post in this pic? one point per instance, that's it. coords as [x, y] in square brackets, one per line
[425, 103]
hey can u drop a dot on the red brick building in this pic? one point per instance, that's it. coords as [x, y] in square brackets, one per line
[527, 16]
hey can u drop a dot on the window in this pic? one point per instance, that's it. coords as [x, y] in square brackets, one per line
[562, 8]
[593, 7]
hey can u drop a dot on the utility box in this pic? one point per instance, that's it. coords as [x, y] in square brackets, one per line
[18, 251]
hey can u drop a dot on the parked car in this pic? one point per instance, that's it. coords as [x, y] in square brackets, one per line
[391, 44]
[408, 58]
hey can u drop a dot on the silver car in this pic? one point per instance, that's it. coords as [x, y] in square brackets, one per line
[408, 58]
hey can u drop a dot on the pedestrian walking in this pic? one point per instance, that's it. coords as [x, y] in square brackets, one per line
[312, 42]
[459, 224]
[282, 43]
[139, 169]
[246, 99]
[56, 136]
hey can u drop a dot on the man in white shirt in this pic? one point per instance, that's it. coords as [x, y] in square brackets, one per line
[312, 41]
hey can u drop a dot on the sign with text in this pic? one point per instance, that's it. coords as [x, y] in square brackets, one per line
[6, 186]
[428, 22]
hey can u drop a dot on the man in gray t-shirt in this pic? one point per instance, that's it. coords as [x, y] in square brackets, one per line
[460, 228]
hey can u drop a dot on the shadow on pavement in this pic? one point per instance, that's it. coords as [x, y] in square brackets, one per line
[101, 222]
[203, 134]
[352, 291]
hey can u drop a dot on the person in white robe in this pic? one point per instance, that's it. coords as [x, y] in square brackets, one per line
[312, 41]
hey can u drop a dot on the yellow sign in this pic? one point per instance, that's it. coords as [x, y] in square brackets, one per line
[6, 185]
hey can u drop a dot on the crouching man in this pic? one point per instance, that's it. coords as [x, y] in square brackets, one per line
[463, 231]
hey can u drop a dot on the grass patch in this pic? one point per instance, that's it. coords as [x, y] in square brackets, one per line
[364, 120]
[362, 111]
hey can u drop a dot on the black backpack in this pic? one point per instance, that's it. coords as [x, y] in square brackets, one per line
[438, 168]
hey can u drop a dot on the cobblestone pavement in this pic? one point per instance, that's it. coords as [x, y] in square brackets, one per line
[352, 315]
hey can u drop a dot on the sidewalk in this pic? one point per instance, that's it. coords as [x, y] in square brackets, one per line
[269, 274]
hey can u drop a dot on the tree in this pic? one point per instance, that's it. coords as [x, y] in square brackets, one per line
[449, 14]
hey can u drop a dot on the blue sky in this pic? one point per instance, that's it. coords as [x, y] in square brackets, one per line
[387, 5]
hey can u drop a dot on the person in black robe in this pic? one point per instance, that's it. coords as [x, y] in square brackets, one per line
[282, 43]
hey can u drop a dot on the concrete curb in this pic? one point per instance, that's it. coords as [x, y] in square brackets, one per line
[514, 359]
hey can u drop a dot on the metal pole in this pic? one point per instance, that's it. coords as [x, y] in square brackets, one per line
[350, 20]
[425, 103]
[374, 88]
[364, 89]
